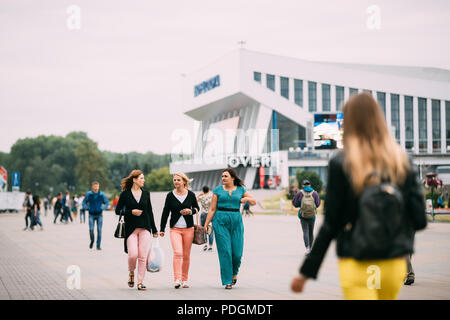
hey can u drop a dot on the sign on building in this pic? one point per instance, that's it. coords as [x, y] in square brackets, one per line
[207, 85]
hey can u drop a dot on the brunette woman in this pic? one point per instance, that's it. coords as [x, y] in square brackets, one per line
[228, 226]
[139, 223]
[181, 204]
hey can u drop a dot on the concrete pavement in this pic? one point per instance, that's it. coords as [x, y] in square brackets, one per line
[33, 264]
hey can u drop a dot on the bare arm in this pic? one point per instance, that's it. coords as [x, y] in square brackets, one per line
[247, 197]
[211, 211]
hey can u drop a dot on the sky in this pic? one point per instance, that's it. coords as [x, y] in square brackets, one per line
[118, 76]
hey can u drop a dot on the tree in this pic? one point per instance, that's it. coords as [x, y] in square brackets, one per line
[91, 165]
[159, 180]
[312, 176]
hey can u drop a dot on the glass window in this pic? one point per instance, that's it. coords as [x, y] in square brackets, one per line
[298, 92]
[422, 110]
[381, 97]
[436, 124]
[284, 84]
[270, 81]
[257, 76]
[291, 135]
[353, 91]
[339, 97]
[409, 123]
[312, 96]
[326, 104]
[447, 123]
[395, 116]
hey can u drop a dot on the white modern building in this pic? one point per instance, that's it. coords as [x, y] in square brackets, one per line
[257, 110]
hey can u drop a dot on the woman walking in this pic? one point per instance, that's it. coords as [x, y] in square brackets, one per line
[36, 213]
[371, 163]
[204, 200]
[139, 222]
[227, 220]
[181, 204]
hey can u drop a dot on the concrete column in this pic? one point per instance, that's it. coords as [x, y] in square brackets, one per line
[429, 127]
[319, 96]
[402, 120]
[333, 98]
[388, 113]
[416, 124]
[305, 95]
[291, 90]
[346, 94]
[443, 125]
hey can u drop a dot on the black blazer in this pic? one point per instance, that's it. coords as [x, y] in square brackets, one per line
[341, 207]
[145, 220]
[174, 206]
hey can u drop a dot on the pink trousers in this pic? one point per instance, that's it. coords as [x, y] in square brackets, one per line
[181, 239]
[138, 244]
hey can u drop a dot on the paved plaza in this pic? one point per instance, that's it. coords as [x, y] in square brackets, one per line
[34, 264]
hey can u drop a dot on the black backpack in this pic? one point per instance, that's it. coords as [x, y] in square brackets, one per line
[379, 222]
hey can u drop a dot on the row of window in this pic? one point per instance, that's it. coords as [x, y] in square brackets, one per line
[381, 97]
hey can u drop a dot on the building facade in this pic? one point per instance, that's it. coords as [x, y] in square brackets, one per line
[256, 113]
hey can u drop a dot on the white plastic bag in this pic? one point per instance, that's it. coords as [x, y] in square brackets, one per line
[155, 257]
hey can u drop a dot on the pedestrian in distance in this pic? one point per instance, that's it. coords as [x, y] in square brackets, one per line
[28, 207]
[308, 200]
[180, 204]
[139, 223]
[36, 213]
[74, 208]
[58, 207]
[95, 202]
[82, 210]
[46, 205]
[374, 203]
[246, 210]
[204, 200]
[228, 226]
[66, 208]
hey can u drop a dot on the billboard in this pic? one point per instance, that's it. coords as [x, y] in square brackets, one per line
[3, 178]
[328, 131]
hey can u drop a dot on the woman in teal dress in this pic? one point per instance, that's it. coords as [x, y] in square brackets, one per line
[228, 227]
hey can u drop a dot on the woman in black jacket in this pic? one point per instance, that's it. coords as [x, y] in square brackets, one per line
[139, 222]
[370, 156]
[181, 204]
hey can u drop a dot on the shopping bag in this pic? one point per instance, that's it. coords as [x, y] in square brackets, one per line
[155, 257]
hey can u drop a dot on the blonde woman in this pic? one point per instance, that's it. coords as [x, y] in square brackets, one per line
[370, 156]
[181, 204]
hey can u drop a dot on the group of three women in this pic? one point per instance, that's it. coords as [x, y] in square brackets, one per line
[181, 204]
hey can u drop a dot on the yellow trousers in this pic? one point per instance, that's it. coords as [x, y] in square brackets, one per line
[372, 280]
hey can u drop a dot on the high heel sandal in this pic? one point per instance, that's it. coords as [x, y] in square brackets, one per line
[140, 286]
[234, 281]
[131, 283]
[228, 286]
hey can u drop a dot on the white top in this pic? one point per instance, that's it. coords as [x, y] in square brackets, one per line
[181, 223]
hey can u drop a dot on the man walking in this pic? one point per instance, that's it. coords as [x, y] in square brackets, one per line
[28, 205]
[308, 200]
[58, 207]
[95, 202]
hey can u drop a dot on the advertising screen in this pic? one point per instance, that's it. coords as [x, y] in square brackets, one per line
[328, 131]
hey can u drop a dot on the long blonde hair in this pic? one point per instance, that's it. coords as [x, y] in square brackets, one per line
[185, 179]
[368, 146]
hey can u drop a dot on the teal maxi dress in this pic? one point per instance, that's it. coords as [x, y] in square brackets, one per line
[229, 231]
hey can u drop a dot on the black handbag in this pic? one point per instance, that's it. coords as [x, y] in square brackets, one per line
[120, 229]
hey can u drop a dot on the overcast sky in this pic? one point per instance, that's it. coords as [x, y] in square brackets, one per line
[118, 76]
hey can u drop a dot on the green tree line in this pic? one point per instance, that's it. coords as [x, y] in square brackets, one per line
[52, 164]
